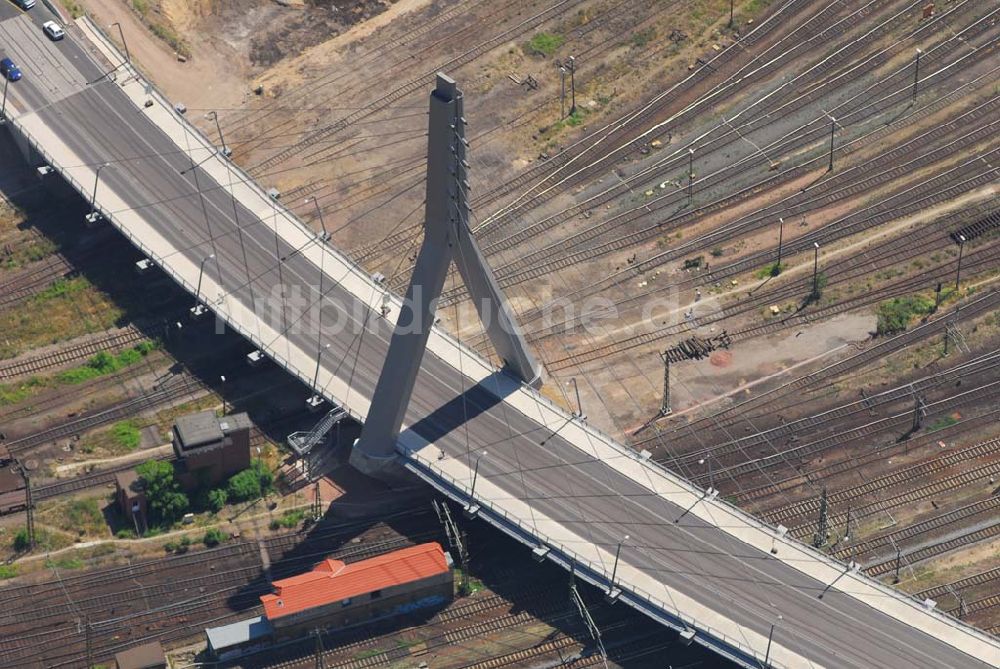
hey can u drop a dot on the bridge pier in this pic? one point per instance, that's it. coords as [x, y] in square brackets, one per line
[447, 237]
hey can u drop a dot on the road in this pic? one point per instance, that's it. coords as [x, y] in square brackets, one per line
[525, 459]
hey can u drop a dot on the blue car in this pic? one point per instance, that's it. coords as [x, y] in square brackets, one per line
[9, 69]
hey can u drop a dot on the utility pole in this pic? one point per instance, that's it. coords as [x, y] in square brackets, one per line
[665, 402]
[319, 648]
[899, 555]
[731, 3]
[572, 84]
[93, 197]
[579, 405]
[820, 537]
[690, 176]
[776, 270]
[30, 508]
[588, 620]
[919, 411]
[456, 540]
[916, 74]
[87, 642]
[937, 296]
[961, 249]
[317, 505]
[847, 525]
[833, 127]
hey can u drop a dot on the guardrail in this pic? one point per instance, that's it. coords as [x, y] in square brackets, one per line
[588, 570]
[360, 273]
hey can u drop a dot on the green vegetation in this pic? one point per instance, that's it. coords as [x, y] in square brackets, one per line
[141, 6]
[64, 563]
[166, 501]
[126, 434]
[7, 571]
[170, 36]
[214, 537]
[288, 520]
[178, 547]
[942, 423]
[21, 540]
[895, 315]
[545, 44]
[770, 270]
[717, 251]
[643, 37]
[101, 364]
[73, 7]
[250, 483]
[106, 363]
[217, 499]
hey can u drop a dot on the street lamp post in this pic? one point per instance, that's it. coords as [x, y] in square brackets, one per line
[781, 233]
[770, 635]
[222, 378]
[201, 273]
[958, 271]
[690, 176]
[916, 73]
[213, 115]
[97, 176]
[618, 552]
[833, 128]
[562, 92]
[572, 84]
[121, 34]
[319, 354]
[815, 290]
[475, 476]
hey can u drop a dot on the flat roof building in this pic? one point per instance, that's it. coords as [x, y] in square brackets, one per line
[210, 449]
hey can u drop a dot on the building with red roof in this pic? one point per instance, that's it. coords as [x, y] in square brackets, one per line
[337, 594]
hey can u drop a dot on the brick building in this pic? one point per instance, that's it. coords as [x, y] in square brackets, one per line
[210, 449]
[131, 499]
[335, 594]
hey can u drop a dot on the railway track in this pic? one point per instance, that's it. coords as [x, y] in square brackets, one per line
[892, 540]
[882, 348]
[865, 406]
[111, 342]
[902, 477]
[801, 452]
[982, 578]
[887, 565]
[172, 390]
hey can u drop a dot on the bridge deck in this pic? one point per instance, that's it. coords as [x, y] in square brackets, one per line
[575, 490]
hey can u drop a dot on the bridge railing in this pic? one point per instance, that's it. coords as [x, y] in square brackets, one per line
[359, 272]
[595, 573]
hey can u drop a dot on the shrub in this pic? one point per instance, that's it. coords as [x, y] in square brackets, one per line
[545, 44]
[895, 315]
[217, 499]
[250, 483]
[8, 571]
[170, 546]
[126, 433]
[21, 540]
[125, 533]
[214, 537]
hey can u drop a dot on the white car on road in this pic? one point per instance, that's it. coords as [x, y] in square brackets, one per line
[53, 30]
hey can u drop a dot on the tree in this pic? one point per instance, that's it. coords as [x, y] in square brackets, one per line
[263, 473]
[166, 501]
[244, 486]
[217, 499]
[21, 540]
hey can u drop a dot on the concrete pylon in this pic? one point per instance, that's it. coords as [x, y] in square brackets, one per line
[447, 237]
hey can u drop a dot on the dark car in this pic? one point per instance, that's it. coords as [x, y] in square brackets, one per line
[9, 70]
